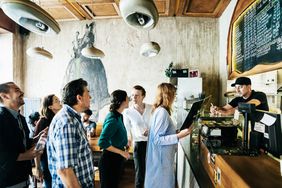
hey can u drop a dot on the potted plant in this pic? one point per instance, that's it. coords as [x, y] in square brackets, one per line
[168, 73]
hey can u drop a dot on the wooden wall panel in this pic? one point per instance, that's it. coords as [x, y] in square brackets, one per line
[6, 23]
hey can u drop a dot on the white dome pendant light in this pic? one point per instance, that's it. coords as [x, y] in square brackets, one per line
[150, 49]
[140, 14]
[30, 16]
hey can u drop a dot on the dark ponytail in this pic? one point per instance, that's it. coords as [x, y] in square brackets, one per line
[117, 97]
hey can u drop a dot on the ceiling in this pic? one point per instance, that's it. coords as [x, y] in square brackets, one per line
[65, 10]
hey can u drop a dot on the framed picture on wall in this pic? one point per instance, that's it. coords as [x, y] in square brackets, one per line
[194, 73]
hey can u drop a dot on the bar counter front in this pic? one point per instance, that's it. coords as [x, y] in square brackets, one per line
[198, 166]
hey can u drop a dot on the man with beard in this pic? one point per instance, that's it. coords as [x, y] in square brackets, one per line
[246, 95]
[16, 151]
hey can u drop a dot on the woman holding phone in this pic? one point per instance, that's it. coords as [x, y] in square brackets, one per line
[50, 106]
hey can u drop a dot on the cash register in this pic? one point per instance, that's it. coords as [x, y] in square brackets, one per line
[218, 132]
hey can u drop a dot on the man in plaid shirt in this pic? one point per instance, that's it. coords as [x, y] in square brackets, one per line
[69, 154]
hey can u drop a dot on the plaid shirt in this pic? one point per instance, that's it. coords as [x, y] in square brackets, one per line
[67, 147]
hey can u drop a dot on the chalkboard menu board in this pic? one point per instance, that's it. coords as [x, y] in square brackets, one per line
[257, 36]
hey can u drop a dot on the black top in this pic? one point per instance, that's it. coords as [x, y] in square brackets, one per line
[11, 145]
[254, 95]
[41, 125]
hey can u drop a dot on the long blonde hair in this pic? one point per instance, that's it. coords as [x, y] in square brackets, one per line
[165, 96]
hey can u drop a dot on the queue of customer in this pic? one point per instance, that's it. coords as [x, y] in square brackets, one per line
[67, 159]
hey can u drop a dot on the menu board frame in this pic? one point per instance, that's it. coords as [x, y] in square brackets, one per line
[242, 8]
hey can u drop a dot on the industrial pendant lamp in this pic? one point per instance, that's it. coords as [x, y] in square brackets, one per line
[140, 14]
[30, 16]
[39, 52]
[150, 49]
[92, 52]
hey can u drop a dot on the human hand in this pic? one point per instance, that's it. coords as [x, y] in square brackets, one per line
[185, 132]
[38, 174]
[29, 154]
[43, 132]
[127, 148]
[125, 154]
[146, 132]
[213, 109]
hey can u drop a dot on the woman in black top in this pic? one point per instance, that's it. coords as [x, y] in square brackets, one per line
[50, 106]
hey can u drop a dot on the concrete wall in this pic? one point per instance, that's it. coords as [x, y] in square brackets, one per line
[188, 42]
[6, 65]
[224, 24]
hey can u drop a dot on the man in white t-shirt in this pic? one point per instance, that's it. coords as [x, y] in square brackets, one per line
[137, 121]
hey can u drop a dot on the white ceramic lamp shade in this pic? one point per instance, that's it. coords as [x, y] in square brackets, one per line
[92, 53]
[39, 52]
[30, 16]
[150, 49]
[140, 14]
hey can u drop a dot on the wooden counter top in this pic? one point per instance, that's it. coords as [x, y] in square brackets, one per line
[261, 171]
[242, 171]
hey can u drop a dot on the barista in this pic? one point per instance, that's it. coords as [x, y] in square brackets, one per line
[246, 95]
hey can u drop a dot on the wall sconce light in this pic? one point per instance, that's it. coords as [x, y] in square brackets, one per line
[140, 14]
[39, 52]
[30, 16]
[150, 49]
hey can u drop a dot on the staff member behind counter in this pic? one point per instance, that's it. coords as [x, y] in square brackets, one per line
[246, 94]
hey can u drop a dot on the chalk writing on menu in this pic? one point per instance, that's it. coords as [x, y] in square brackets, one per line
[257, 35]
